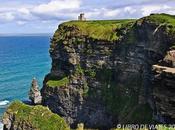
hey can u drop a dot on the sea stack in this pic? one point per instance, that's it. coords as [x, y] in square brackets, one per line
[34, 93]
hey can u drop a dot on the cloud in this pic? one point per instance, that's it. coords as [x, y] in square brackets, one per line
[146, 10]
[48, 13]
[57, 5]
[60, 10]
[56, 10]
[132, 11]
[53, 10]
[129, 10]
[21, 22]
[7, 17]
[112, 13]
[24, 11]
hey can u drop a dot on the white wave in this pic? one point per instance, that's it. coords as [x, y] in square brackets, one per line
[3, 103]
[1, 126]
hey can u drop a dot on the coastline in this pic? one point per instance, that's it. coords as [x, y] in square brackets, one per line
[3, 104]
[1, 126]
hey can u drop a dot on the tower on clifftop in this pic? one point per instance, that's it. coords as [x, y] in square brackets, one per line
[81, 17]
[34, 93]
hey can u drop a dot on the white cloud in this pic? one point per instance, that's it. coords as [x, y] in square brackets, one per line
[171, 11]
[57, 5]
[24, 11]
[129, 9]
[6, 17]
[61, 10]
[52, 12]
[134, 11]
[112, 13]
[21, 22]
[146, 10]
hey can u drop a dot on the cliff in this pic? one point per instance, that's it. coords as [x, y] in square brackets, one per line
[102, 74]
[164, 87]
[19, 116]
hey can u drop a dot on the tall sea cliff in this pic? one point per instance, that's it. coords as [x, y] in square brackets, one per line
[112, 71]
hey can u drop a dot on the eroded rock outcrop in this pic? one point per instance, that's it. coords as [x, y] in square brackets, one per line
[20, 116]
[101, 71]
[34, 93]
[164, 88]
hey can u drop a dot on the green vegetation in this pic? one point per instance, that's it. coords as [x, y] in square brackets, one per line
[109, 30]
[79, 70]
[58, 83]
[131, 37]
[172, 47]
[99, 29]
[35, 117]
[162, 18]
[90, 72]
[165, 21]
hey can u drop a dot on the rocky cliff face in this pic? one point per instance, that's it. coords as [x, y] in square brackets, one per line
[164, 83]
[102, 74]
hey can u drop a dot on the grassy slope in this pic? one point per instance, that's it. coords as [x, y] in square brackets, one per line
[109, 29]
[99, 29]
[38, 117]
[162, 18]
[58, 83]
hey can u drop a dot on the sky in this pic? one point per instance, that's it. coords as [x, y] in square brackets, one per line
[44, 16]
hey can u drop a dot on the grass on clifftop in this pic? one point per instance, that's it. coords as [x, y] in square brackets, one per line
[99, 29]
[109, 30]
[165, 20]
[37, 117]
[57, 83]
[162, 18]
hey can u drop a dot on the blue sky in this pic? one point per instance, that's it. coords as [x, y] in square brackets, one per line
[43, 16]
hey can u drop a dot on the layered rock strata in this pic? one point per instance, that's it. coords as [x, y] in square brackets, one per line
[102, 74]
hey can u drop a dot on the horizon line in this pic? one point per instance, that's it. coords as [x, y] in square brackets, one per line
[25, 34]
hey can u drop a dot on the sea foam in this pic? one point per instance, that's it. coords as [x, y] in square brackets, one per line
[4, 103]
[1, 126]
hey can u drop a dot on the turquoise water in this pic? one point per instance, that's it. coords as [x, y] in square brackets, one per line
[21, 59]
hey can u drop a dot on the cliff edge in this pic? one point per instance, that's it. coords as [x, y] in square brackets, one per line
[102, 74]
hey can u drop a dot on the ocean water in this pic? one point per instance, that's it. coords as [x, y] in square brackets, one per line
[21, 59]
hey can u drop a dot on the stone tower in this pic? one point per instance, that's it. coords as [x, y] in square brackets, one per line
[34, 93]
[81, 17]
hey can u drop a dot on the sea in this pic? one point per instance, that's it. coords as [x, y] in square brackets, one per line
[21, 59]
